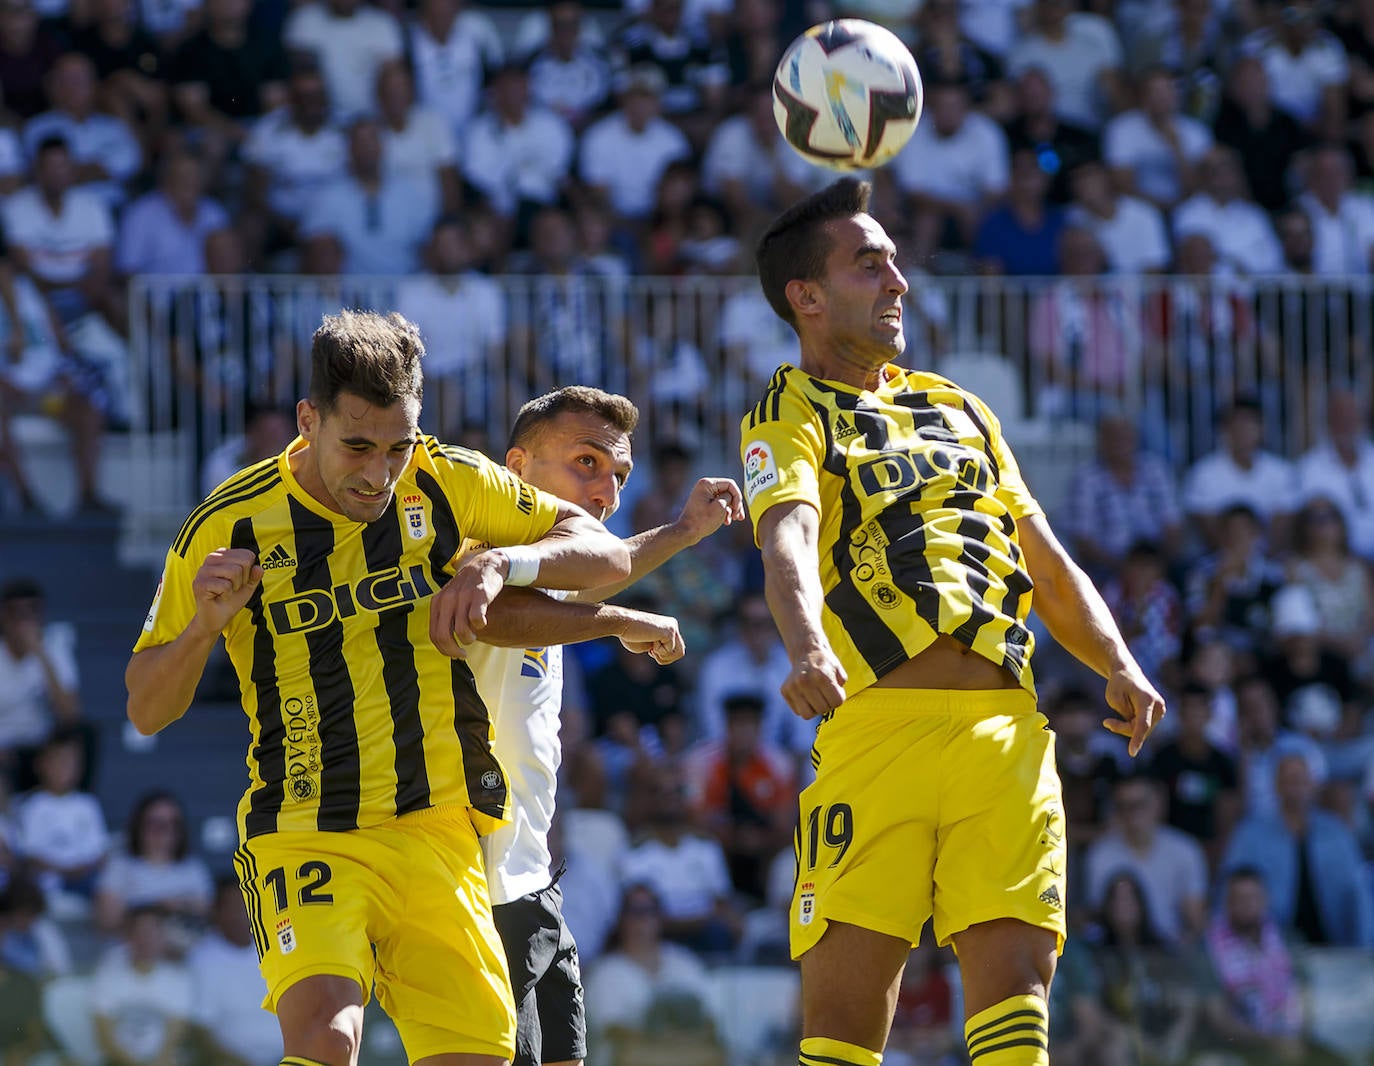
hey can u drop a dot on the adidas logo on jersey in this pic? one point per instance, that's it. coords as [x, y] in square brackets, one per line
[1051, 896]
[844, 428]
[278, 559]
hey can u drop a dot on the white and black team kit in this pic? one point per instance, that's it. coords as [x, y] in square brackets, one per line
[523, 691]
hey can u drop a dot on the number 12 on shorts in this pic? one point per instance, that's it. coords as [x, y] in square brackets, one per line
[834, 824]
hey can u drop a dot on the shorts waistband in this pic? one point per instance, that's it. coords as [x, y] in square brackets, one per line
[973, 703]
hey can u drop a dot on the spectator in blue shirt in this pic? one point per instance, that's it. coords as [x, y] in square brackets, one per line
[1021, 237]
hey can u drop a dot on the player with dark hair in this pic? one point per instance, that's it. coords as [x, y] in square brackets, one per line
[330, 571]
[900, 548]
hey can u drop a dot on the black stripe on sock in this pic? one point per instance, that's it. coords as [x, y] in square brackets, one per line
[807, 1059]
[1024, 1027]
[1038, 1015]
[1041, 1044]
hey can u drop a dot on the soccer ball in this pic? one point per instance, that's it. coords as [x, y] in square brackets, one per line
[847, 95]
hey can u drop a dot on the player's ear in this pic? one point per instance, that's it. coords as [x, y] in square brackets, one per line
[515, 461]
[804, 296]
[307, 419]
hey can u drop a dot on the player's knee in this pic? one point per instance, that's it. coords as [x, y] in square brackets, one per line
[322, 1020]
[333, 1042]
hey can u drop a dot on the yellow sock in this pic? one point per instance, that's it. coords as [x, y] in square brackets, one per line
[822, 1051]
[296, 1060]
[1014, 1032]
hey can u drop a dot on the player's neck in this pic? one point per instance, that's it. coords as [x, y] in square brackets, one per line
[842, 367]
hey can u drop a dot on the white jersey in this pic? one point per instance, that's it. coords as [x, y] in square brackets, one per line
[523, 691]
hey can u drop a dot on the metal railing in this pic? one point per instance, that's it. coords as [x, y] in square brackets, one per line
[1050, 355]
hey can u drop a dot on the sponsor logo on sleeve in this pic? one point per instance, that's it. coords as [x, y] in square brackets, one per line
[760, 469]
[151, 620]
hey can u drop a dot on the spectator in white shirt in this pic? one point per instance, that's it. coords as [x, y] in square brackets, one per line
[1081, 55]
[1238, 228]
[1307, 67]
[955, 166]
[417, 141]
[1341, 469]
[1240, 472]
[141, 1000]
[451, 50]
[105, 151]
[1154, 149]
[164, 231]
[694, 72]
[350, 42]
[154, 868]
[624, 154]
[1297, 238]
[38, 670]
[1342, 220]
[1131, 232]
[60, 830]
[569, 74]
[517, 153]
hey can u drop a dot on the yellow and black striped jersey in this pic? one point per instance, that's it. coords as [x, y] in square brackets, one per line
[918, 496]
[355, 716]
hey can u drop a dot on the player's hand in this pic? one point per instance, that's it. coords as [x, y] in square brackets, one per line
[815, 684]
[459, 612]
[712, 503]
[1138, 706]
[223, 586]
[654, 635]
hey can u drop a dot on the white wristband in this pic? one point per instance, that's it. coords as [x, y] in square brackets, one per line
[522, 564]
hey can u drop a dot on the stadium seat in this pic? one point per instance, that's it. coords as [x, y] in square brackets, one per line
[755, 1007]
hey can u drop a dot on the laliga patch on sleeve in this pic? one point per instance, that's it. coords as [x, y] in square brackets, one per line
[760, 469]
[152, 611]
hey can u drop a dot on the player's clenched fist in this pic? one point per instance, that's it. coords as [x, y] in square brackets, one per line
[224, 584]
[655, 635]
[815, 684]
[459, 611]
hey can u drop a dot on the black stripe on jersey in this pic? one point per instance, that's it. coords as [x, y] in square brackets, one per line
[471, 722]
[252, 482]
[340, 764]
[974, 529]
[770, 399]
[247, 868]
[383, 548]
[269, 754]
[454, 453]
[919, 404]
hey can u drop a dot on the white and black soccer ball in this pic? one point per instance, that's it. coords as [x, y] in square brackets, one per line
[847, 94]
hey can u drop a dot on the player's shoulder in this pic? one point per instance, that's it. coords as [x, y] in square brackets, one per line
[434, 454]
[241, 495]
[788, 397]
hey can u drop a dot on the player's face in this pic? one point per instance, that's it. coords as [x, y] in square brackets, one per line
[579, 457]
[357, 453]
[861, 296]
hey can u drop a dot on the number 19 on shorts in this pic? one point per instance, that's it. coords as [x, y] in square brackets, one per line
[833, 827]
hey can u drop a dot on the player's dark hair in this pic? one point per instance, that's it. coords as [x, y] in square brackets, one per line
[795, 246]
[51, 143]
[578, 399]
[373, 356]
[137, 833]
[20, 588]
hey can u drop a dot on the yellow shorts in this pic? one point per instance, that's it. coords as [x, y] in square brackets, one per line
[930, 802]
[415, 890]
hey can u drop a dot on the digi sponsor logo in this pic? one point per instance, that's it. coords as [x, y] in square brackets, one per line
[314, 609]
[759, 469]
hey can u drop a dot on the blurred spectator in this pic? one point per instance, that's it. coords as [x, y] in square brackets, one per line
[1168, 863]
[31, 943]
[1123, 496]
[516, 153]
[1266, 138]
[291, 154]
[380, 220]
[693, 69]
[1353, 26]
[1307, 67]
[227, 75]
[28, 50]
[1189, 38]
[677, 188]
[1238, 228]
[104, 150]
[1262, 744]
[1154, 149]
[129, 64]
[757, 35]
[751, 659]
[1059, 146]
[1021, 237]
[462, 317]
[1294, 228]
[164, 231]
[922, 1029]
[1340, 469]
[1210, 664]
[1310, 862]
[1342, 220]
[168, 20]
[1148, 610]
[688, 872]
[624, 154]
[1337, 581]
[945, 54]
[994, 25]
[23, 1033]
[1080, 54]
[591, 892]
[955, 165]
[417, 141]
[645, 982]
[267, 431]
[745, 794]
[1201, 781]
[638, 707]
[350, 41]
[1299, 658]
[38, 672]
[1228, 592]
[60, 830]
[142, 1001]
[755, 340]
[154, 868]
[1086, 771]
[567, 74]
[1130, 231]
[451, 49]
[230, 1023]
[1240, 474]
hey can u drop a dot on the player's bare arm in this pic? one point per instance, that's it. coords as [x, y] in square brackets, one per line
[1077, 617]
[712, 503]
[788, 536]
[527, 618]
[576, 553]
[162, 680]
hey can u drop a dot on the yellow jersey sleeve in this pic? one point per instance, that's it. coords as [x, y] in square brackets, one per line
[782, 458]
[491, 504]
[1011, 486]
[174, 603]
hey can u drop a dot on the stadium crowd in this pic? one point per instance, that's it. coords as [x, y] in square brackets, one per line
[452, 146]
